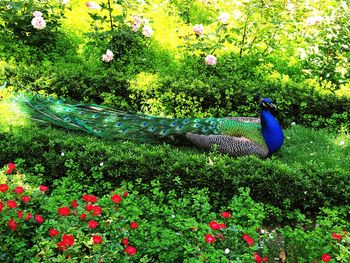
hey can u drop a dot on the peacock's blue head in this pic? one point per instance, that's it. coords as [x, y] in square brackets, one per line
[266, 104]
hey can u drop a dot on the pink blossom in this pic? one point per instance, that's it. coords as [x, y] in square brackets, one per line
[198, 29]
[137, 20]
[108, 56]
[37, 14]
[93, 5]
[210, 60]
[38, 23]
[147, 31]
[135, 27]
[314, 20]
[224, 17]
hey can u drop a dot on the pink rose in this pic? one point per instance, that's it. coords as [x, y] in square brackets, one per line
[224, 17]
[198, 29]
[147, 31]
[93, 5]
[38, 23]
[210, 60]
[37, 14]
[108, 57]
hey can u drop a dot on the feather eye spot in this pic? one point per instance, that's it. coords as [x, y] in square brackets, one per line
[186, 121]
[164, 132]
[180, 127]
[38, 107]
[126, 117]
[197, 125]
[123, 130]
[144, 124]
[59, 102]
[67, 119]
[173, 124]
[119, 124]
[95, 116]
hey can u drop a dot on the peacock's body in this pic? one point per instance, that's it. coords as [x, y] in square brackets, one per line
[235, 136]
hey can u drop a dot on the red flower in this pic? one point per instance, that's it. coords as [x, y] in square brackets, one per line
[25, 199]
[214, 225]
[209, 238]
[11, 203]
[116, 198]
[222, 226]
[130, 250]
[97, 210]
[125, 194]
[18, 190]
[1, 206]
[92, 224]
[38, 218]
[12, 224]
[43, 188]
[20, 214]
[4, 188]
[125, 241]
[248, 240]
[53, 232]
[89, 198]
[74, 204]
[63, 211]
[97, 239]
[67, 240]
[226, 214]
[257, 258]
[336, 236]
[83, 216]
[89, 207]
[326, 257]
[11, 167]
[29, 216]
[134, 225]
[265, 259]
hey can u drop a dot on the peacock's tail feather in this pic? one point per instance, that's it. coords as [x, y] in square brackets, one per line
[109, 123]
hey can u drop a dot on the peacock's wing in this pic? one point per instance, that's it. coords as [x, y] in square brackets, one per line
[233, 146]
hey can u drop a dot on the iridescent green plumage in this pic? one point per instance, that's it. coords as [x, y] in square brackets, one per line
[236, 136]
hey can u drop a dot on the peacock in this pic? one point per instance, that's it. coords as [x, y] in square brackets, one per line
[236, 136]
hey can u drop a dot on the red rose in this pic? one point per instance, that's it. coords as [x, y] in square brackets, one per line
[125, 194]
[25, 199]
[125, 241]
[97, 239]
[38, 218]
[336, 236]
[53, 232]
[74, 204]
[248, 240]
[63, 211]
[265, 259]
[209, 238]
[29, 216]
[18, 190]
[326, 257]
[62, 245]
[89, 207]
[130, 250]
[11, 203]
[214, 225]
[222, 226]
[134, 225]
[4, 188]
[12, 224]
[43, 188]
[1, 206]
[93, 224]
[83, 216]
[20, 214]
[11, 167]
[89, 198]
[97, 210]
[226, 214]
[257, 258]
[116, 198]
[68, 239]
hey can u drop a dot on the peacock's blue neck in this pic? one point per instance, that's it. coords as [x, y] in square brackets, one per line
[271, 131]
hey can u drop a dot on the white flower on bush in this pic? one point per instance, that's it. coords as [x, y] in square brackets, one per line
[227, 251]
[136, 25]
[237, 14]
[64, 2]
[147, 31]
[210, 60]
[93, 5]
[37, 14]
[314, 20]
[198, 29]
[290, 7]
[108, 56]
[302, 53]
[38, 23]
[224, 17]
